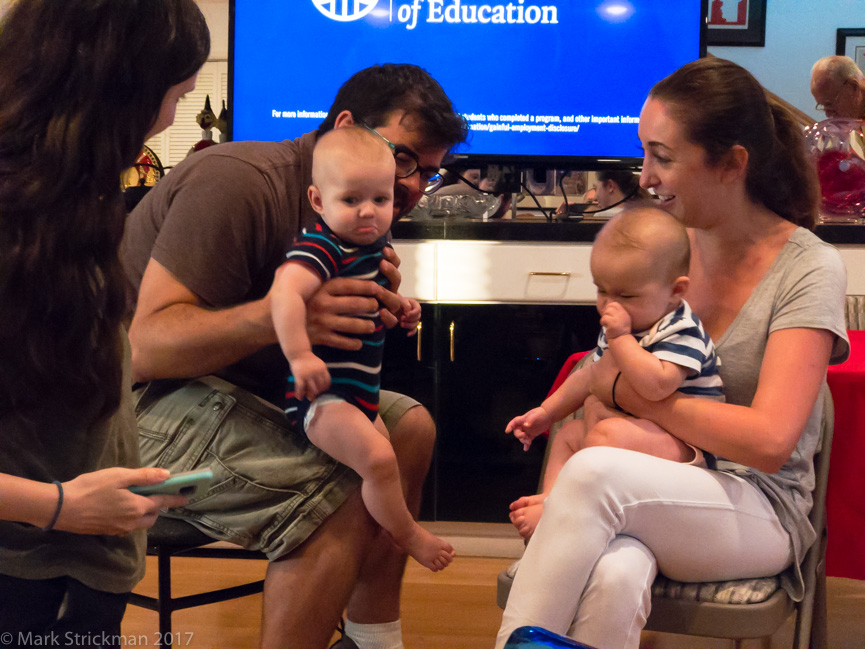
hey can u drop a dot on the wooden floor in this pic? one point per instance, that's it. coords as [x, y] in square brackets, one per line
[453, 609]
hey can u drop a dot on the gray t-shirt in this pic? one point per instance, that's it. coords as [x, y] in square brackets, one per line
[60, 446]
[804, 288]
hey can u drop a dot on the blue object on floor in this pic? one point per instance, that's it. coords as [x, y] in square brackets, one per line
[531, 637]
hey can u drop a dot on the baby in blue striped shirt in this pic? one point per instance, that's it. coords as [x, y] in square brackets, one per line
[639, 264]
[333, 393]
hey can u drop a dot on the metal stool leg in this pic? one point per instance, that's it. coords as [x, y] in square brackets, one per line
[165, 605]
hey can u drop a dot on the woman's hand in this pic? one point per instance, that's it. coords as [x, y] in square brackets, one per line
[604, 372]
[764, 434]
[101, 503]
[594, 411]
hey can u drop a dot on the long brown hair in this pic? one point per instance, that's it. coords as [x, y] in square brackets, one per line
[720, 104]
[81, 84]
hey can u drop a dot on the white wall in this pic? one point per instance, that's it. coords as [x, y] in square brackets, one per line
[798, 32]
[216, 14]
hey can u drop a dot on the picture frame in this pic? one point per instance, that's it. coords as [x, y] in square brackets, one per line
[851, 42]
[736, 22]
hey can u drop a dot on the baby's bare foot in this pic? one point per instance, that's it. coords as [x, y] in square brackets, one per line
[526, 513]
[427, 549]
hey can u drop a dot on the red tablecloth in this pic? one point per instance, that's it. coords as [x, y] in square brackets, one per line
[845, 506]
[845, 501]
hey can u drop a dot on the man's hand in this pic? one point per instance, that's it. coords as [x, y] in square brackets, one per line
[311, 377]
[615, 320]
[528, 426]
[331, 314]
[389, 266]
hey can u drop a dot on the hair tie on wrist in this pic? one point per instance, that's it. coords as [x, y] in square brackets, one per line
[613, 396]
[53, 522]
[613, 391]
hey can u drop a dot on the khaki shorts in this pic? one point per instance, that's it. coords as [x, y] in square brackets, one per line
[271, 487]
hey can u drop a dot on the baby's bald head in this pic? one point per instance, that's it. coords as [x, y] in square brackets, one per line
[654, 231]
[350, 147]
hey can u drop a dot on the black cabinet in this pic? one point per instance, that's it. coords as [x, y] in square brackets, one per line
[475, 367]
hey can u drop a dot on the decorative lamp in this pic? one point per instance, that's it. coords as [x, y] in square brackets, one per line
[837, 146]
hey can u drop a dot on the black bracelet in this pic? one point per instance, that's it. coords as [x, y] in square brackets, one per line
[613, 392]
[613, 396]
[53, 522]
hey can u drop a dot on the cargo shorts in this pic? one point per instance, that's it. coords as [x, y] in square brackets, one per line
[271, 487]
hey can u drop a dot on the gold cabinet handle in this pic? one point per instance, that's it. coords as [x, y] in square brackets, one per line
[419, 327]
[548, 274]
[451, 328]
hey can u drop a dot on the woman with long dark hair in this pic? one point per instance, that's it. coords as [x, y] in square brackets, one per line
[731, 165]
[615, 187]
[83, 83]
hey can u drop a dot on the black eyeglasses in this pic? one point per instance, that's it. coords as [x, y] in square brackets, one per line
[407, 164]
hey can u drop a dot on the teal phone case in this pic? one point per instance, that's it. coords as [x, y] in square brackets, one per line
[191, 484]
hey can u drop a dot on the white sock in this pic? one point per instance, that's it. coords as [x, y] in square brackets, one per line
[375, 636]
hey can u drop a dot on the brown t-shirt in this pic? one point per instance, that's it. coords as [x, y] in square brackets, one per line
[221, 222]
[60, 447]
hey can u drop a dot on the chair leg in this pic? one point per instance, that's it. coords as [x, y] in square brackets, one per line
[811, 620]
[164, 603]
[819, 623]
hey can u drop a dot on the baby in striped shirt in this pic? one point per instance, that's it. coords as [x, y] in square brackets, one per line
[333, 393]
[639, 264]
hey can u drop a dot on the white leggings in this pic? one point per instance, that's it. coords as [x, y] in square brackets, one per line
[613, 519]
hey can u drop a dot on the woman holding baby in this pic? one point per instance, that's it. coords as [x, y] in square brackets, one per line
[730, 164]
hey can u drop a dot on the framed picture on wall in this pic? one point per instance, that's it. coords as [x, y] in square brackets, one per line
[851, 42]
[737, 22]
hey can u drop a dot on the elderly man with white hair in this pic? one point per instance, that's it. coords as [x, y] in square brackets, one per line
[838, 86]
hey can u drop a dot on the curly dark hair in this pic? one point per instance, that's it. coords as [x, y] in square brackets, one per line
[372, 94]
[81, 85]
[720, 105]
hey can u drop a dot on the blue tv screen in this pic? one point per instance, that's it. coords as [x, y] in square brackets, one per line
[538, 81]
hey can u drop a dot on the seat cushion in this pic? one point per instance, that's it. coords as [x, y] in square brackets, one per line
[176, 534]
[739, 591]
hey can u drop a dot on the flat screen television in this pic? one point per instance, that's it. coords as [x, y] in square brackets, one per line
[542, 83]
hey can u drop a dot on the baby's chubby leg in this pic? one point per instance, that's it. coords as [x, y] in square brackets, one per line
[526, 511]
[594, 410]
[639, 435]
[343, 432]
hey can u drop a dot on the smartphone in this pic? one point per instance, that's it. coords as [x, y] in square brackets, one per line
[189, 483]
